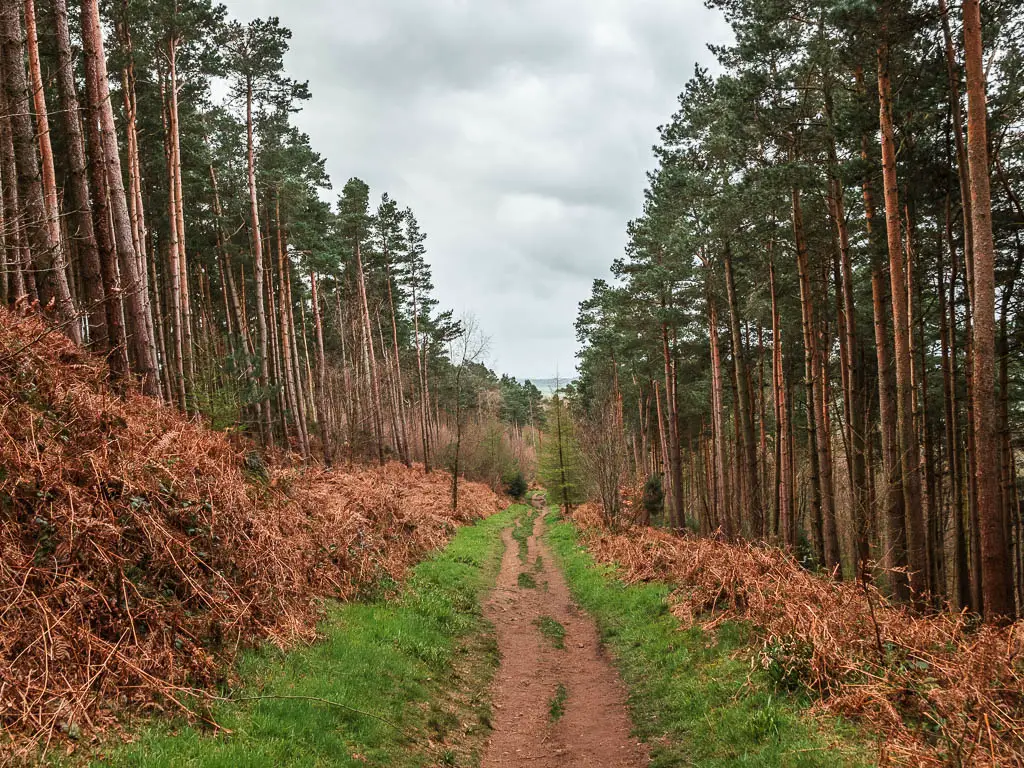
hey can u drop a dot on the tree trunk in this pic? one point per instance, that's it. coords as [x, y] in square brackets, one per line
[894, 541]
[42, 232]
[22, 284]
[80, 217]
[662, 438]
[810, 373]
[400, 400]
[117, 356]
[284, 309]
[174, 263]
[959, 589]
[392, 393]
[853, 385]
[294, 363]
[276, 369]
[958, 131]
[258, 278]
[964, 495]
[721, 500]
[421, 372]
[672, 417]
[321, 374]
[140, 237]
[566, 507]
[910, 461]
[7, 268]
[136, 210]
[370, 359]
[762, 426]
[935, 559]
[784, 521]
[178, 220]
[135, 305]
[65, 304]
[350, 391]
[312, 407]
[749, 487]
[458, 437]
[997, 579]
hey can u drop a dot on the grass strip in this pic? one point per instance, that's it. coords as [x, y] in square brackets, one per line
[697, 697]
[409, 676]
[523, 530]
[552, 629]
[556, 707]
[526, 581]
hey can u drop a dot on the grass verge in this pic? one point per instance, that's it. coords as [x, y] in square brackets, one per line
[421, 661]
[695, 696]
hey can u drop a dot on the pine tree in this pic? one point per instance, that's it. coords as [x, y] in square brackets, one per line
[255, 59]
[898, 446]
[560, 468]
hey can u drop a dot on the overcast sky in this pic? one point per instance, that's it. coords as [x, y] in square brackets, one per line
[519, 131]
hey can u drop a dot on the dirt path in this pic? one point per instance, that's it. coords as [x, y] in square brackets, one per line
[552, 706]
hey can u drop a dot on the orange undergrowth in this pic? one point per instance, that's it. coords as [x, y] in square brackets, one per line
[937, 690]
[140, 550]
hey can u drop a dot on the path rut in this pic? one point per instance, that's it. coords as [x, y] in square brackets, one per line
[594, 730]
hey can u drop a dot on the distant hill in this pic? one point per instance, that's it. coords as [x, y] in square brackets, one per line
[547, 386]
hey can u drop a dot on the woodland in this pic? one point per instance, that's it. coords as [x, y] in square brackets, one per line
[814, 336]
[782, 489]
[185, 237]
[807, 365]
[196, 329]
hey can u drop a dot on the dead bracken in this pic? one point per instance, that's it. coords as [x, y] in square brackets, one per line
[139, 550]
[938, 690]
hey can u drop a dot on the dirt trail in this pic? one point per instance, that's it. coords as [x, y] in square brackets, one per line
[593, 728]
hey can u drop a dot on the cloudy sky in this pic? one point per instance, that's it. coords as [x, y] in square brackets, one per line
[519, 131]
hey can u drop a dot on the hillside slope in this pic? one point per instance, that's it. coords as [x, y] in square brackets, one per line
[139, 550]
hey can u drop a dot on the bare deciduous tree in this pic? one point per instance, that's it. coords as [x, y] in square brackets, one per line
[604, 455]
[468, 345]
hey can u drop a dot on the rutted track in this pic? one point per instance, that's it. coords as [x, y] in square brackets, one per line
[552, 706]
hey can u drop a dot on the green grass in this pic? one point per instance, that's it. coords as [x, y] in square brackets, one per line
[523, 530]
[526, 581]
[695, 696]
[421, 661]
[552, 630]
[556, 707]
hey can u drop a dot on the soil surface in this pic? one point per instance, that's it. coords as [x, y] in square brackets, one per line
[552, 706]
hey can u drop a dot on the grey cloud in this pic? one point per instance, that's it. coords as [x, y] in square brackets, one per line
[518, 130]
